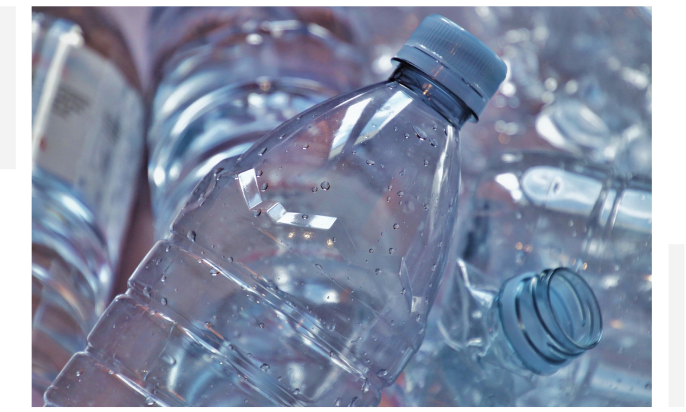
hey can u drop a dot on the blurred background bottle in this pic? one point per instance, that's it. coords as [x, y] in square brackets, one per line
[225, 76]
[87, 150]
[302, 272]
[534, 210]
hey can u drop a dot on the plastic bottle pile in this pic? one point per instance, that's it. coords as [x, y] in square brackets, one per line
[320, 242]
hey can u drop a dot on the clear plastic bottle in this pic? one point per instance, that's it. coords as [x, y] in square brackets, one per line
[86, 158]
[302, 273]
[536, 210]
[225, 76]
[495, 345]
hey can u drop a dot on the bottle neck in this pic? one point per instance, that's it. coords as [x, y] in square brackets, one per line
[433, 94]
[548, 319]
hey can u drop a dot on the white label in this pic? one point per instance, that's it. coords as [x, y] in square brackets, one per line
[88, 131]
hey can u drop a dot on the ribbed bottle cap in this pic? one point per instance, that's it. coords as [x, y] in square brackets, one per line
[456, 59]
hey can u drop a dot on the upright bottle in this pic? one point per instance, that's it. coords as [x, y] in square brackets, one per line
[88, 144]
[536, 210]
[302, 273]
[225, 76]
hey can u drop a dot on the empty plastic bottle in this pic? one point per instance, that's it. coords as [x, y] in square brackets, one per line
[226, 76]
[536, 210]
[302, 273]
[86, 156]
[493, 345]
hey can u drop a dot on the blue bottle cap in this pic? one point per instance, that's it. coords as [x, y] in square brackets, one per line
[456, 59]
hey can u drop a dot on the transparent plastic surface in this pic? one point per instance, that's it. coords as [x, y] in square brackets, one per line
[300, 274]
[79, 143]
[536, 210]
[226, 76]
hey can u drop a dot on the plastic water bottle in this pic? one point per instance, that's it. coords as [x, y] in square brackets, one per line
[494, 345]
[86, 157]
[226, 76]
[302, 273]
[536, 210]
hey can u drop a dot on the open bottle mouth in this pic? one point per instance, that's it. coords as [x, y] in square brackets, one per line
[550, 318]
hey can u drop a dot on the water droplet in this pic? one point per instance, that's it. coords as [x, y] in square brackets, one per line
[325, 185]
[407, 136]
[163, 301]
[79, 372]
[338, 402]
[306, 146]
[377, 271]
[208, 325]
[263, 151]
[401, 193]
[353, 402]
[149, 401]
[402, 292]
[257, 212]
[314, 189]
[229, 259]
[191, 235]
[391, 250]
[167, 248]
[420, 133]
[264, 367]
[418, 318]
[396, 226]
[426, 162]
[433, 142]
[365, 386]
[318, 266]
[147, 291]
[371, 250]
[370, 162]
[388, 199]
[261, 325]
[214, 273]
[305, 217]
[382, 373]
[264, 186]
[296, 391]
[331, 354]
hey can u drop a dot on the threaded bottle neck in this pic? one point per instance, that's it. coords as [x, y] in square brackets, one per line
[549, 319]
